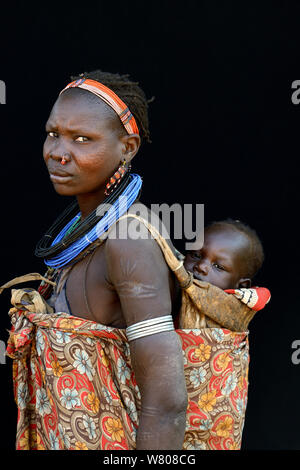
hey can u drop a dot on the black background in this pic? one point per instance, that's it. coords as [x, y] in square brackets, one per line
[224, 133]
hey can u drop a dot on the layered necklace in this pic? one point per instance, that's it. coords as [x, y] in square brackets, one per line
[70, 236]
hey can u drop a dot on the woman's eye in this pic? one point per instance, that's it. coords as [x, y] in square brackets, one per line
[81, 138]
[52, 134]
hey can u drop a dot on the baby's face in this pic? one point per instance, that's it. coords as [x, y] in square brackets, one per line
[219, 262]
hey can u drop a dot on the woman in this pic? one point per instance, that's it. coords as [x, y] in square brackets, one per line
[92, 138]
[105, 369]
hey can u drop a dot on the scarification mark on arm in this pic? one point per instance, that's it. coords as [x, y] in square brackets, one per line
[136, 289]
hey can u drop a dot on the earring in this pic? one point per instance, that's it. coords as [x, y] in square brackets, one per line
[115, 179]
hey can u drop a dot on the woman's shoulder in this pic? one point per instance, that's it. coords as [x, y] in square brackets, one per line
[149, 223]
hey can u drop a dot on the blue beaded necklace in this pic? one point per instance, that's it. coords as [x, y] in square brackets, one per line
[115, 211]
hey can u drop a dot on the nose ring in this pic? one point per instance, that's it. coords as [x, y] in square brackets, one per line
[65, 159]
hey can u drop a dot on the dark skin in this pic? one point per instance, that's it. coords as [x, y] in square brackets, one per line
[221, 261]
[120, 291]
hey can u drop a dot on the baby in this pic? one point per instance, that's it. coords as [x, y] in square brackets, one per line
[229, 259]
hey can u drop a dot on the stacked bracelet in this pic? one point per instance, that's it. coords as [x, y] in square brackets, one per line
[150, 327]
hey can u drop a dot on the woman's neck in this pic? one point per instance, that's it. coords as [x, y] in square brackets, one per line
[89, 202]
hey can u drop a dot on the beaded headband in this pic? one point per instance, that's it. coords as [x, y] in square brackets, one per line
[110, 98]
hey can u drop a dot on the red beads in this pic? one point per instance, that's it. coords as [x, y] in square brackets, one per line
[116, 178]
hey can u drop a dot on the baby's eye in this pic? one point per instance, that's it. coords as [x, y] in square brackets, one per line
[218, 266]
[81, 138]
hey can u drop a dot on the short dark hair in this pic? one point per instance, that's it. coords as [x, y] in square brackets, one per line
[129, 91]
[255, 253]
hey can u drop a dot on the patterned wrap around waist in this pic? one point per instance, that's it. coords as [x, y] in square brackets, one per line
[75, 388]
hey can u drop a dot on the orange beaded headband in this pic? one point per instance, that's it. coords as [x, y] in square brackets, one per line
[110, 98]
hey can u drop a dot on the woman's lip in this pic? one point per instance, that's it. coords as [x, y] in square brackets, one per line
[59, 179]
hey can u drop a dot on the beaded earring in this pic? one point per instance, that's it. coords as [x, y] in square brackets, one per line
[115, 179]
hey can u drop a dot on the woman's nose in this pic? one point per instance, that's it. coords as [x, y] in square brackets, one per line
[56, 149]
[60, 156]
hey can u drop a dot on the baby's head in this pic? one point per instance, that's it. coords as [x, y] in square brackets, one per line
[230, 257]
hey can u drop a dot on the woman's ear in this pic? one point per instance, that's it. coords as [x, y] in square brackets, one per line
[131, 144]
[244, 282]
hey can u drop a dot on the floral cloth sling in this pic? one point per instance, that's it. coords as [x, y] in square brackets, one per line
[75, 388]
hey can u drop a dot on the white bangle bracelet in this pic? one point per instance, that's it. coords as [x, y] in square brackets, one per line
[150, 327]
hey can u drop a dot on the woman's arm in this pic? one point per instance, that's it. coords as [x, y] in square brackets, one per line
[140, 276]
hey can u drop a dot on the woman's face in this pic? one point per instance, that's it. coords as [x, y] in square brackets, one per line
[90, 137]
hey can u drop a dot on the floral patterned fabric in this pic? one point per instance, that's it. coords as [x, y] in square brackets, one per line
[216, 371]
[75, 388]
